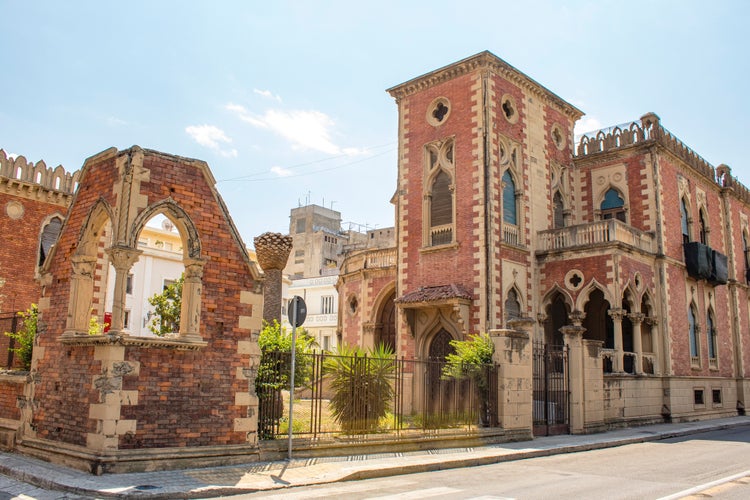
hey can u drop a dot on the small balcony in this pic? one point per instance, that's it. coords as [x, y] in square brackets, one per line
[598, 233]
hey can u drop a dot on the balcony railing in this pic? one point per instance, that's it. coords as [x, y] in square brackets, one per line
[511, 234]
[381, 258]
[441, 235]
[595, 233]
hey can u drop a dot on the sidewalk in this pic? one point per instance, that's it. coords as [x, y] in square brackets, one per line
[258, 476]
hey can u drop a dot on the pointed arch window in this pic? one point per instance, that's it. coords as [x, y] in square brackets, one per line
[613, 206]
[702, 231]
[441, 210]
[711, 335]
[438, 208]
[558, 214]
[684, 221]
[693, 332]
[512, 305]
[510, 208]
[49, 236]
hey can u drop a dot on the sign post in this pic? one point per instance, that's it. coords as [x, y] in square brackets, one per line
[297, 313]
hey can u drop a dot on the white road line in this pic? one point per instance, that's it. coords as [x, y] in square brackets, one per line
[705, 486]
[426, 493]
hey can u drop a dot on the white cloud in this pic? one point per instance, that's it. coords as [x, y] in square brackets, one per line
[587, 124]
[281, 171]
[268, 94]
[113, 121]
[304, 129]
[211, 137]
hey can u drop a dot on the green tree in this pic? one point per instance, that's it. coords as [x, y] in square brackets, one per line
[275, 369]
[472, 358]
[167, 307]
[362, 386]
[24, 337]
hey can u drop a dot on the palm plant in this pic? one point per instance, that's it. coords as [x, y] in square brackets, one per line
[361, 384]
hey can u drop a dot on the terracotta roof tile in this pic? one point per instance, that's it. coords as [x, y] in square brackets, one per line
[436, 293]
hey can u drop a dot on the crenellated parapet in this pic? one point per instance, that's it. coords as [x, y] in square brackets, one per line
[54, 179]
[648, 129]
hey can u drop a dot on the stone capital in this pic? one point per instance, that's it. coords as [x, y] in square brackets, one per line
[122, 257]
[617, 314]
[83, 265]
[194, 268]
[637, 318]
[576, 317]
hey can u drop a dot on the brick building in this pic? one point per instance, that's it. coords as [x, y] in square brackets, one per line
[627, 248]
[34, 200]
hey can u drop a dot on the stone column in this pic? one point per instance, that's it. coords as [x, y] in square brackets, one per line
[273, 251]
[81, 294]
[122, 259]
[190, 312]
[655, 344]
[617, 315]
[636, 319]
[573, 338]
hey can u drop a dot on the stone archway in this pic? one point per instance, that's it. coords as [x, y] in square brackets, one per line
[386, 332]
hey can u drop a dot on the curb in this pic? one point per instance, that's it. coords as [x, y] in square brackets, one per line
[38, 479]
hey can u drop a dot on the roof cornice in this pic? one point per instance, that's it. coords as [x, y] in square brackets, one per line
[489, 61]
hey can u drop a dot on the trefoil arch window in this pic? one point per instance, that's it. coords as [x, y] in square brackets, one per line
[512, 305]
[702, 231]
[613, 206]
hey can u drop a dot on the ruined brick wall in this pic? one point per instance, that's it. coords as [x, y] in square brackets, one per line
[166, 395]
[11, 387]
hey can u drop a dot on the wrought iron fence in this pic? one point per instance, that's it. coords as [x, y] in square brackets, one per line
[550, 409]
[365, 395]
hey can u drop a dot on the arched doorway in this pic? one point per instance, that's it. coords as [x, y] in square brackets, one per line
[440, 393]
[386, 334]
[599, 325]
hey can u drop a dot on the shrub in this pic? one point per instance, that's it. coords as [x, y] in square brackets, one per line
[24, 337]
[472, 359]
[361, 384]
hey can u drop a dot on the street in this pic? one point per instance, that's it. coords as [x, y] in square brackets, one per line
[715, 463]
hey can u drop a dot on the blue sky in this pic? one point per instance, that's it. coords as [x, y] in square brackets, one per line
[286, 100]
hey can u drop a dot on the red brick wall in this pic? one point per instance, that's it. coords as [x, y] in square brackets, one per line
[11, 387]
[185, 398]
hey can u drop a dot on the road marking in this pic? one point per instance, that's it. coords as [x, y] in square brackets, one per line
[426, 493]
[705, 486]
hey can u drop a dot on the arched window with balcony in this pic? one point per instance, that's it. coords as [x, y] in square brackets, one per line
[613, 205]
[510, 205]
[441, 210]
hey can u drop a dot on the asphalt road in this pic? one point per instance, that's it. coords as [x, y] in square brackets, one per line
[715, 464]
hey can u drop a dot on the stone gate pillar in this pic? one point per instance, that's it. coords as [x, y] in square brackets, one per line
[515, 385]
[273, 251]
[573, 338]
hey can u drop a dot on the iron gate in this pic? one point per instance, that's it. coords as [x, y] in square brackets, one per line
[551, 410]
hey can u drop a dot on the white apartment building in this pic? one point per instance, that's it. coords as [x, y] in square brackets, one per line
[321, 299]
[159, 265]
